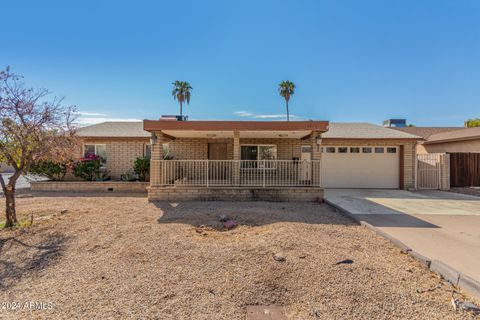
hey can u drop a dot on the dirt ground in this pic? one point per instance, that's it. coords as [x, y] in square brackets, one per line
[472, 191]
[126, 258]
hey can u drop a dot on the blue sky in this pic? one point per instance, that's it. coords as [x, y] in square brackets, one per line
[350, 60]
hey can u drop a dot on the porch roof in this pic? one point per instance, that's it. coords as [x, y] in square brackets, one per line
[225, 129]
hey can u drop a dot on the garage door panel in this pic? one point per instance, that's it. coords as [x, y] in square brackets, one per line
[361, 170]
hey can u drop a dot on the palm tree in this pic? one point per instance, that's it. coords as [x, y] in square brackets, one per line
[286, 89]
[181, 92]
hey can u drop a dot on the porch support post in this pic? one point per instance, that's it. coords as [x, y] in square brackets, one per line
[156, 145]
[316, 168]
[236, 157]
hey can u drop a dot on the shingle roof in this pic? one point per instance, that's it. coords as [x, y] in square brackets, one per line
[346, 130]
[426, 132]
[114, 129]
[363, 130]
[457, 135]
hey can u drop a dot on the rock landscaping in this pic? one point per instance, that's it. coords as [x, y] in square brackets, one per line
[119, 257]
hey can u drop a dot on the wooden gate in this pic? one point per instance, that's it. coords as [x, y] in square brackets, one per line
[429, 171]
[464, 169]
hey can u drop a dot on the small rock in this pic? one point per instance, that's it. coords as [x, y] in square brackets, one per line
[465, 306]
[63, 211]
[302, 256]
[223, 218]
[316, 313]
[230, 224]
[279, 257]
[346, 261]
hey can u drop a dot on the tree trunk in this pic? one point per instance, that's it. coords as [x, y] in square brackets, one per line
[288, 115]
[181, 109]
[9, 191]
[10, 210]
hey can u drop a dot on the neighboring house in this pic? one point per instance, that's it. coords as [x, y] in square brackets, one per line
[464, 140]
[119, 143]
[248, 155]
[446, 139]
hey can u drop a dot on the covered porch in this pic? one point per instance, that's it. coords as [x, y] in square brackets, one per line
[235, 155]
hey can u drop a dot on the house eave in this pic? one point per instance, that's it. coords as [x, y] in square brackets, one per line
[159, 125]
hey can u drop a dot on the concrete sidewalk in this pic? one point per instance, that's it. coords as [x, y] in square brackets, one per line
[441, 226]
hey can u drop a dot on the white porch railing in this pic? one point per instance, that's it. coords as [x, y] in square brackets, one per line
[247, 173]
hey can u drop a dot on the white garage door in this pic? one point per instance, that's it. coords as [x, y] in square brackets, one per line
[361, 167]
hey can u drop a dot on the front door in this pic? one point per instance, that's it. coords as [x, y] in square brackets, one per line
[217, 151]
[218, 171]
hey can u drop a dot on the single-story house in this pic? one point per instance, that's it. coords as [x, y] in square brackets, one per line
[445, 139]
[242, 159]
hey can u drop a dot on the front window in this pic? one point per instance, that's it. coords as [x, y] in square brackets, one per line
[256, 153]
[147, 150]
[96, 149]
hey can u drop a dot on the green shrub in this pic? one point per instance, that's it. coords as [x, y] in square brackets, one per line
[141, 167]
[50, 169]
[129, 176]
[90, 169]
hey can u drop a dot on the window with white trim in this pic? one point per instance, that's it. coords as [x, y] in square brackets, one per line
[256, 153]
[96, 149]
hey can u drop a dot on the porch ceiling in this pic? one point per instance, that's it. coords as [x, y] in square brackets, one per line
[243, 134]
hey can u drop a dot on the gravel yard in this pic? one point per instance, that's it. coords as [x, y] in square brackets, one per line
[125, 258]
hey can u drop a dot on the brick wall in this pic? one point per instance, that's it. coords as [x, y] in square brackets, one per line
[121, 153]
[191, 148]
[234, 194]
[445, 172]
[89, 186]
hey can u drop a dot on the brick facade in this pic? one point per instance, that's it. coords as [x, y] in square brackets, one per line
[195, 149]
[121, 153]
[284, 194]
[90, 186]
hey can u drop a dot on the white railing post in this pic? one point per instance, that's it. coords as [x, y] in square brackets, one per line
[208, 174]
[264, 169]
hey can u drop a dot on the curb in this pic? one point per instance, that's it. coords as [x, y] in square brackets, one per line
[451, 275]
[426, 262]
[344, 212]
[447, 272]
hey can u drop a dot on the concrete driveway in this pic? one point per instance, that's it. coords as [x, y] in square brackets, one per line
[439, 225]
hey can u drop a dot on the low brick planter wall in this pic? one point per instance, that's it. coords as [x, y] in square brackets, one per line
[184, 193]
[89, 186]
